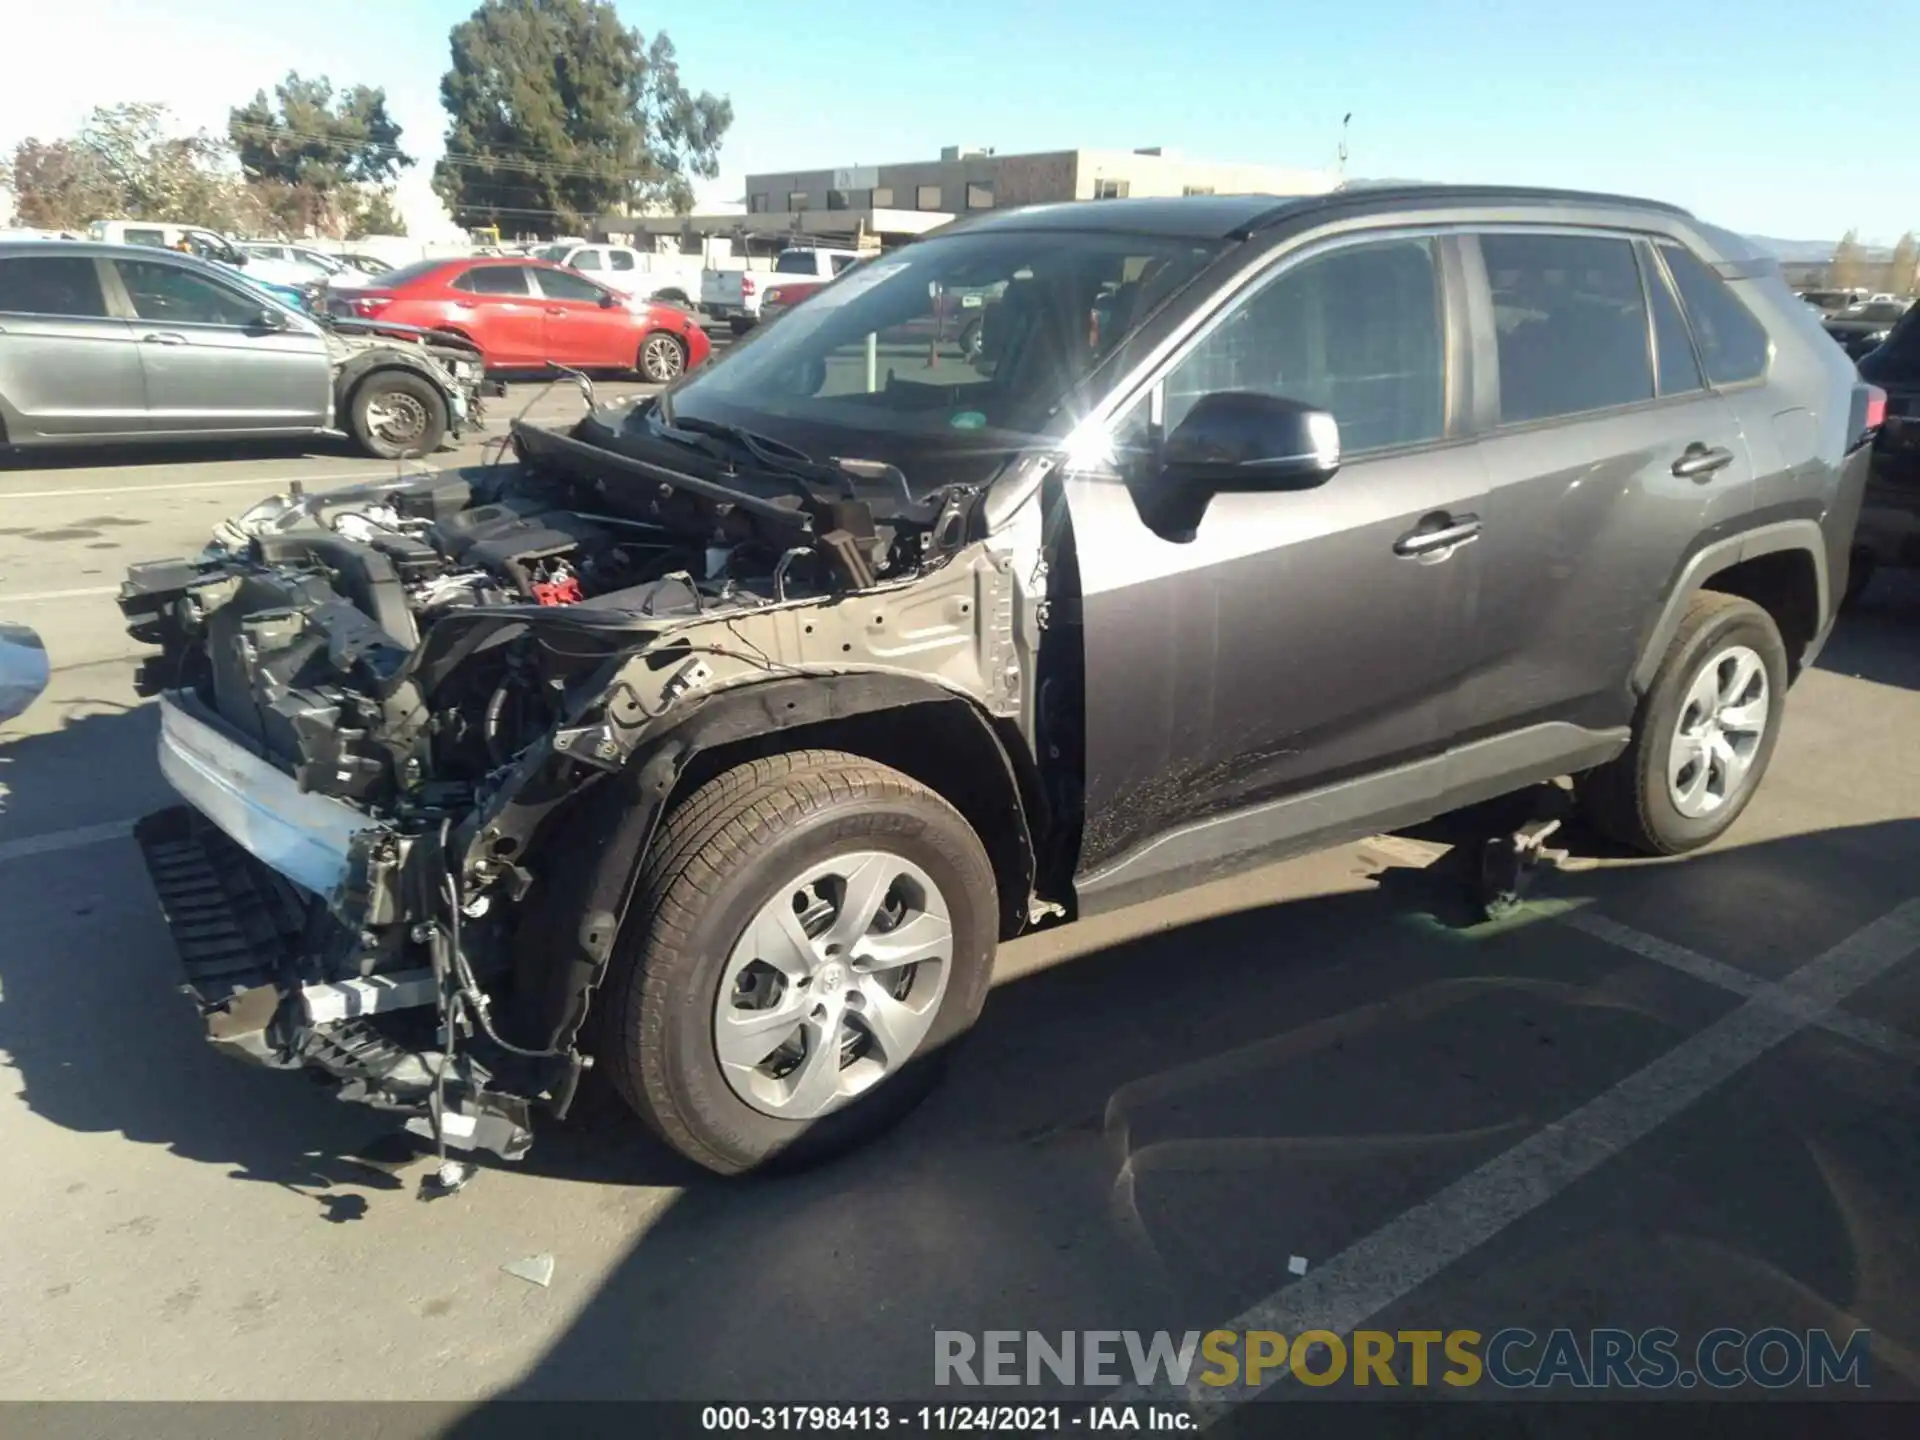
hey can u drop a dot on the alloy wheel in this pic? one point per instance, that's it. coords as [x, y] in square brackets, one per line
[1723, 718]
[833, 984]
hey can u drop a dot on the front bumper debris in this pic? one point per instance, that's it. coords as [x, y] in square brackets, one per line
[285, 979]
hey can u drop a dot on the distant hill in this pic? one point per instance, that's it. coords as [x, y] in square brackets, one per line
[1812, 251]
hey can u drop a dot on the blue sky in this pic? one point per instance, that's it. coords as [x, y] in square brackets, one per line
[1736, 111]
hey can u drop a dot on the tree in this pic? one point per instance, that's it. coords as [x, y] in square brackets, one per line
[557, 111]
[1849, 262]
[374, 214]
[307, 148]
[1900, 269]
[126, 161]
[58, 185]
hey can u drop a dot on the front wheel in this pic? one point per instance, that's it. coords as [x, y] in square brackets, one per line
[397, 415]
[663, 358]
[1703, 735]
[812, 933]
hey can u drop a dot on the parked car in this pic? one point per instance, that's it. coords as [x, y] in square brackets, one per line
[1861, 328]
[110, 343]
[1889, 530]
[1832, 300]
[299, 266]
[735, 295]
[368, 265]
[23, 669]
[777, 299]
[636, 274]
[724, 737]
[528, 313]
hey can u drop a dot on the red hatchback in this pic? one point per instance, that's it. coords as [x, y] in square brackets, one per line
[523, 313]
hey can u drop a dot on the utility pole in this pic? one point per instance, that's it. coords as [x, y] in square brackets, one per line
[1340, 169]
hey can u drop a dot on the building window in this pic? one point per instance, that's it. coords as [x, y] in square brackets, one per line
[838, 200]
[881, 198]
[796, 200]
[979, 194]
[1110, 189]
[757, 204]
[927, 197]
[1196, 190]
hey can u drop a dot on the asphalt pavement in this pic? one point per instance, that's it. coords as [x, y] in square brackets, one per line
[1680, 1094]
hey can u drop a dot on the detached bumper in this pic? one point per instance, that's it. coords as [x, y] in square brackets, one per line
[261, 887]
[307, 838]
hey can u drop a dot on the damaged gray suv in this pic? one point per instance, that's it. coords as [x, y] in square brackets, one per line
[717, 740]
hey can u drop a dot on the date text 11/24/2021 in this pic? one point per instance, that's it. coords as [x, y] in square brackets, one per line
[946, 1419]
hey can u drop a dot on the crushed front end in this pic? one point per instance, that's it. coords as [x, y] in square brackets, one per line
[409, 720]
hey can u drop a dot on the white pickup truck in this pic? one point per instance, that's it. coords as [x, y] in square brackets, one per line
[735, 295]
[637, 274]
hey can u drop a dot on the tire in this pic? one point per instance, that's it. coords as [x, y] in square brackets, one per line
[970, 341]
[397, 415]
[662, 358]
[739, 324]
[1631, 798]
[723, 863]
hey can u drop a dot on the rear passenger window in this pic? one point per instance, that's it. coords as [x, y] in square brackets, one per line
[1733, 345]
[494, 280]
[51, 285]
[1679, 371]
[1571, 323]
[1356, 331]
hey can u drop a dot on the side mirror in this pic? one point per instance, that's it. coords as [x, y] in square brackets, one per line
[608, 300]
[1243, 440]
[270, 319]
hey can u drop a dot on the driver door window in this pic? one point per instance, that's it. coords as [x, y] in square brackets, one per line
[171, 295]
[559, 285]
[1357, 331]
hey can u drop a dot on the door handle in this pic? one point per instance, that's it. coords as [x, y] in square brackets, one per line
[1457, 530]
[556, 310]
[164, 337]
[1700, 462]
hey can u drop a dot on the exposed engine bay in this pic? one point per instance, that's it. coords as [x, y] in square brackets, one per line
[410, 717]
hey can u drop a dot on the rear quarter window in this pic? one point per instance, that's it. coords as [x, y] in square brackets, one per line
[51, 285]
[1734, 346]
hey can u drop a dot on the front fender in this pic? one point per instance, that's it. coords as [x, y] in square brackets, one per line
[587, 883]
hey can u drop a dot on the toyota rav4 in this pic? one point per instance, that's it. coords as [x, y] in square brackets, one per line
[718, 739]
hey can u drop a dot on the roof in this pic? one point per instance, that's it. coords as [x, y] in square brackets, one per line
[1225, 217]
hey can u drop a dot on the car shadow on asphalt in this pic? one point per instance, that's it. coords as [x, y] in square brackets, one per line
[1147, 1136]
[88, 457]
[1878, 637]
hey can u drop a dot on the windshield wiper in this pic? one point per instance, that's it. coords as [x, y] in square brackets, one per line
[779, 458]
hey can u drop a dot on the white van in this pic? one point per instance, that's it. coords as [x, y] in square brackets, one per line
[202, 242]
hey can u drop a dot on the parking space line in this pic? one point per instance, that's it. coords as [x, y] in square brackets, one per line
[59, 840]
[27, 597]
[1409, 1250]
[279, 480]
[1866, 1032]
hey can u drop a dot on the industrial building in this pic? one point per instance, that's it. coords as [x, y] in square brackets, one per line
[864, 206]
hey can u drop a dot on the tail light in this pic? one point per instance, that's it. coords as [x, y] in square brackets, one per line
[746, 284]
[368, 306]
[1876, 407]
[1869, 413]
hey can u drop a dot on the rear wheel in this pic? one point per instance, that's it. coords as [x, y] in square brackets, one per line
[812, 933]
[397, 415]
[1703, 736]
[663, 357]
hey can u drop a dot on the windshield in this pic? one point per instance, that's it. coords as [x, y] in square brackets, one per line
[967, 343]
